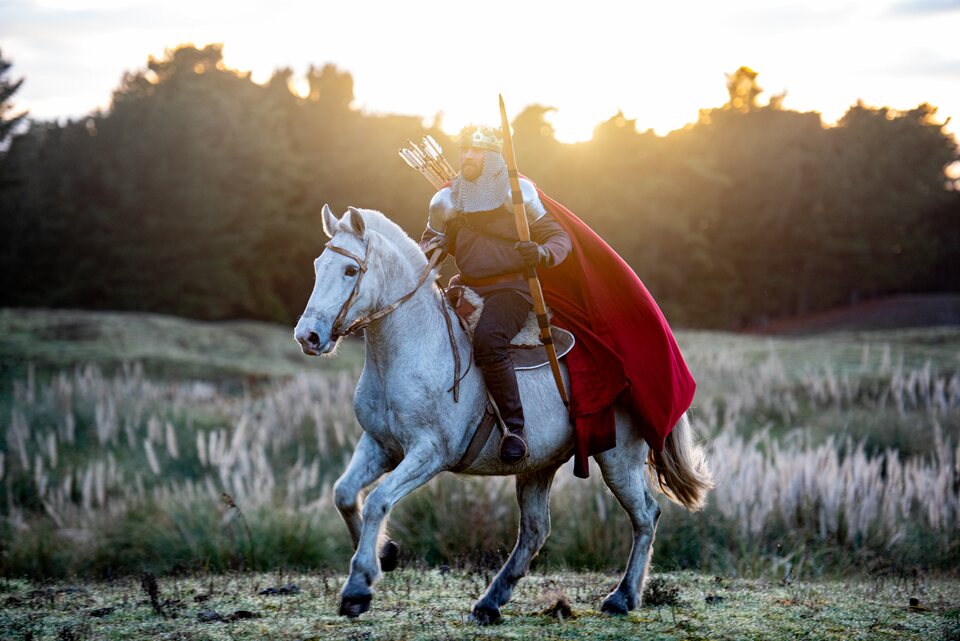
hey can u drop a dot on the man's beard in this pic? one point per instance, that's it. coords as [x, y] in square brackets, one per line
[471, 171]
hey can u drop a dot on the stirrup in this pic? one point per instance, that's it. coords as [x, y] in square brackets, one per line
[509, 436]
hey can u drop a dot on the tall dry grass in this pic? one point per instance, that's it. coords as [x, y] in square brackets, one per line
[107, 474]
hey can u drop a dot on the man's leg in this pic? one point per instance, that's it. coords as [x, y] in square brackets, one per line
[504, 314]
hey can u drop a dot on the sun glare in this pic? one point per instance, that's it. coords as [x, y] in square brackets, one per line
[658, 63]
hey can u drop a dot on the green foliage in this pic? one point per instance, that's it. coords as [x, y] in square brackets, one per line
[198, 193]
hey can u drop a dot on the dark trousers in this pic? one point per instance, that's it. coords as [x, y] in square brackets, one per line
[504, 314]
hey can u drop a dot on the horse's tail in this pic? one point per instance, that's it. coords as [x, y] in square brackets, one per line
[681, 468]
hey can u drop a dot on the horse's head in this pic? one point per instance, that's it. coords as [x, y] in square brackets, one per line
[343, 290]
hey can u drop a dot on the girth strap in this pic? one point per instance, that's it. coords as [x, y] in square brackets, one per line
[480, 437]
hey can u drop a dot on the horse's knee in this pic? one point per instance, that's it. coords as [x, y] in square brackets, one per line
[345, 497]
[375, 507]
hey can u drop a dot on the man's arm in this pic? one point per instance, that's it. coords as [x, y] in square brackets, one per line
[554, 243]
[441, 212]
[549, 244]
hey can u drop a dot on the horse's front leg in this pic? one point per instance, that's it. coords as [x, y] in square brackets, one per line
[533, 495]
[368, 463]
[417, 467]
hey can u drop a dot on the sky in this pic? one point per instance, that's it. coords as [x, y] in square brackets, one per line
[658, 62]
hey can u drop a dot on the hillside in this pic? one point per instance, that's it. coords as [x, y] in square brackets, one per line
[894, 312]
[166, 346]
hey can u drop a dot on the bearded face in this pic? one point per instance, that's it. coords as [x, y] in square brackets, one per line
[471, 163]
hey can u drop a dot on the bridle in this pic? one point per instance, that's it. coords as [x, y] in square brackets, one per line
[351, 299]
[363, 321]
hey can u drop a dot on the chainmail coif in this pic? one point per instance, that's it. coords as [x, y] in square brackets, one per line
[488, 192]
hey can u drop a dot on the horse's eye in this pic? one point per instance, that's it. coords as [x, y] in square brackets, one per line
[351, 271]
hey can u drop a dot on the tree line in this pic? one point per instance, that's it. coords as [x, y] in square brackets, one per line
[198, 193]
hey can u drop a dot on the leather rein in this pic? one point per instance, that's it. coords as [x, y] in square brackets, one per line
[363, 321]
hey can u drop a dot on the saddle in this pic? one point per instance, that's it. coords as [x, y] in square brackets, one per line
[527, 352]
[526, 349]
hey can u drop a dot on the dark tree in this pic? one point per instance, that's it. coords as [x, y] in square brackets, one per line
[743, 89]
[8, 88]
[198, 193]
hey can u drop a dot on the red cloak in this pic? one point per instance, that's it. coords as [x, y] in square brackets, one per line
[624, 344]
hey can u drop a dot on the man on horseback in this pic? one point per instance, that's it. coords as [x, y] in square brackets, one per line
[625, 349]
[629, 386]
[472, 219]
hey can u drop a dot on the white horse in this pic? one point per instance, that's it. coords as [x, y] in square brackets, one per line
[413, 429]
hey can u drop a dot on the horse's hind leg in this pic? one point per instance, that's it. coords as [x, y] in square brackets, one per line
[533, 495]
[622, 469]
[368, 463]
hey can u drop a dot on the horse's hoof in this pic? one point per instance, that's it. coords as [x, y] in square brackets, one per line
[615, 604]
[389, 555]
[354, 606]
[486, 614]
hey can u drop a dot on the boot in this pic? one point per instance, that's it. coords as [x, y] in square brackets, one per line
[501, 381]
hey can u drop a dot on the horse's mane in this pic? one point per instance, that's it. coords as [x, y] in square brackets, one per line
[378, 222]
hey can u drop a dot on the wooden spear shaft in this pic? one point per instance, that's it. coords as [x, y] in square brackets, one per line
[523, 231]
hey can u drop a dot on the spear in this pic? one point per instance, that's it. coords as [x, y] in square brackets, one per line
[523, 231]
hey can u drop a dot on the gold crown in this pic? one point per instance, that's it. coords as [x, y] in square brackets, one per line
[481, 137]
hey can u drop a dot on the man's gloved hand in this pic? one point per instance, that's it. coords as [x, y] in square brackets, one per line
[531, 253]
[441, 241]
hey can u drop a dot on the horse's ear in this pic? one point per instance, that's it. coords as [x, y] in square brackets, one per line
[356, 221]
[329, 222]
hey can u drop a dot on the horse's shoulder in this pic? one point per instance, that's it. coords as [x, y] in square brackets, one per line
[368, 396]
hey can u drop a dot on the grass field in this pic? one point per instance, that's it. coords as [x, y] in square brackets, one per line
[836, 456]
[433, 604]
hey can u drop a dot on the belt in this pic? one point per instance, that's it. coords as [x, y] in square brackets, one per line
[492, 280]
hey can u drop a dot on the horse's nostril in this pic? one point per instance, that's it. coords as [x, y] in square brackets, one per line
[313, 340]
